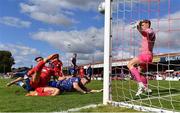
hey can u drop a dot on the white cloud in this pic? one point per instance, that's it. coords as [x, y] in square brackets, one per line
[73, 41]
[168, 32]
[15, 22]
[57, 12]
[23, 55]
[167, 36]
[86, 43]
[89, 42]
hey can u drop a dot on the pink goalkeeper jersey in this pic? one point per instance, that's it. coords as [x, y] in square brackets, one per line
[148, 39]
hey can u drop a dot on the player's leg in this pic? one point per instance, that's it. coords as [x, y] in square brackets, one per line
[44, 91]
[145, 60]
[28, 86]
[14, 81]
[51, 91]
[133, 69]
[135, 72]
[32, 93]
[47, 91]
[142, 68]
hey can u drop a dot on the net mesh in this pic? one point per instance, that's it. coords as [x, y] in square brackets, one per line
[163, 73]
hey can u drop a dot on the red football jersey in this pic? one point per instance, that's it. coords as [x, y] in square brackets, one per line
[57, 67]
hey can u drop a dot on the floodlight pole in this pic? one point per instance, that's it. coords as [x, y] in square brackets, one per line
[107, 52]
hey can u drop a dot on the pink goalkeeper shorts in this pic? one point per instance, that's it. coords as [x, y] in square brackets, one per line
[145, 59]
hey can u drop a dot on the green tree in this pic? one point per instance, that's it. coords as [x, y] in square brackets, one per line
[6, 61]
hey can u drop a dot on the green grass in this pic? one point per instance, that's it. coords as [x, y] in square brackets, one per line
[13, 98]
[108, 108]
[126, 90]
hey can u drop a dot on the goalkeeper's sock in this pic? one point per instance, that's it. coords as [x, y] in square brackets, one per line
[144, 80]
[136, 74]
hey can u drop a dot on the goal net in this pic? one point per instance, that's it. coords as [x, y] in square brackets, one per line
[122, 43]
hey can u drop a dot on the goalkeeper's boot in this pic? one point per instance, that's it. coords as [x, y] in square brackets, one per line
[140, 88]
[148, 91]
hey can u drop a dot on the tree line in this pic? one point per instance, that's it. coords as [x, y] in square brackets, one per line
[6, 61]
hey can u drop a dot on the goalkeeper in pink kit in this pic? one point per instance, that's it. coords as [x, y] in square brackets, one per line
[145, 56]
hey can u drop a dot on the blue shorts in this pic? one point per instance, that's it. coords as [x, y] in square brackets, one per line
[25, 85]
[28, 86]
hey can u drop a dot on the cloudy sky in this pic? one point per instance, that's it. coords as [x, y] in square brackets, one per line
[30, 28]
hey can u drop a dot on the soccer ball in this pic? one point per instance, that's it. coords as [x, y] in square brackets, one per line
[101, 7]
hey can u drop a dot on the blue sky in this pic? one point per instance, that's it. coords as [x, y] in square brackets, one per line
[30, 28]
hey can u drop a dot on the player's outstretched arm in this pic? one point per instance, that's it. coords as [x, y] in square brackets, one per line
[50, 57]
[78, 88]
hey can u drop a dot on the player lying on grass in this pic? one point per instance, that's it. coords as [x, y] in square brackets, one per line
[64, 84]
[41, 77]
[68, 84]
[42, 74]
[44, 91]
[55, 68]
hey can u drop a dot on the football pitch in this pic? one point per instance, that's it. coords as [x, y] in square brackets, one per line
[12, 99]
[166, 94]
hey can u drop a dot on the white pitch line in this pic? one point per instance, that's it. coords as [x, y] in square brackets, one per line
[84, 107]
[96, 105]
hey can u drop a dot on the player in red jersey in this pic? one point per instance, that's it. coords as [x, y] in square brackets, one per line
[42, 73]
[20, 80]
[40, 76]
[57, 66]
[81, 72]
[40, 79]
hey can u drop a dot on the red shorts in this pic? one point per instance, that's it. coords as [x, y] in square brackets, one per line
[41, 92]
[145, 59]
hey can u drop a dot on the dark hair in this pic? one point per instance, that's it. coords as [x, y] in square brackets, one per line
[145, 21]
[56, 55]
[38, 58]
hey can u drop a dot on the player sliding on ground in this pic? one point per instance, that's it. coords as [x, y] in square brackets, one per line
[24, 79]
[145, 56]
[40, 76]
[44, 91]
[69, 83]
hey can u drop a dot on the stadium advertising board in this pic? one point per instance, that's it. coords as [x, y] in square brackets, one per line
[170, 58]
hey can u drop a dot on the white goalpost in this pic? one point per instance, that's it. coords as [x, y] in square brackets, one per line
[121, 44]
[107, 52]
